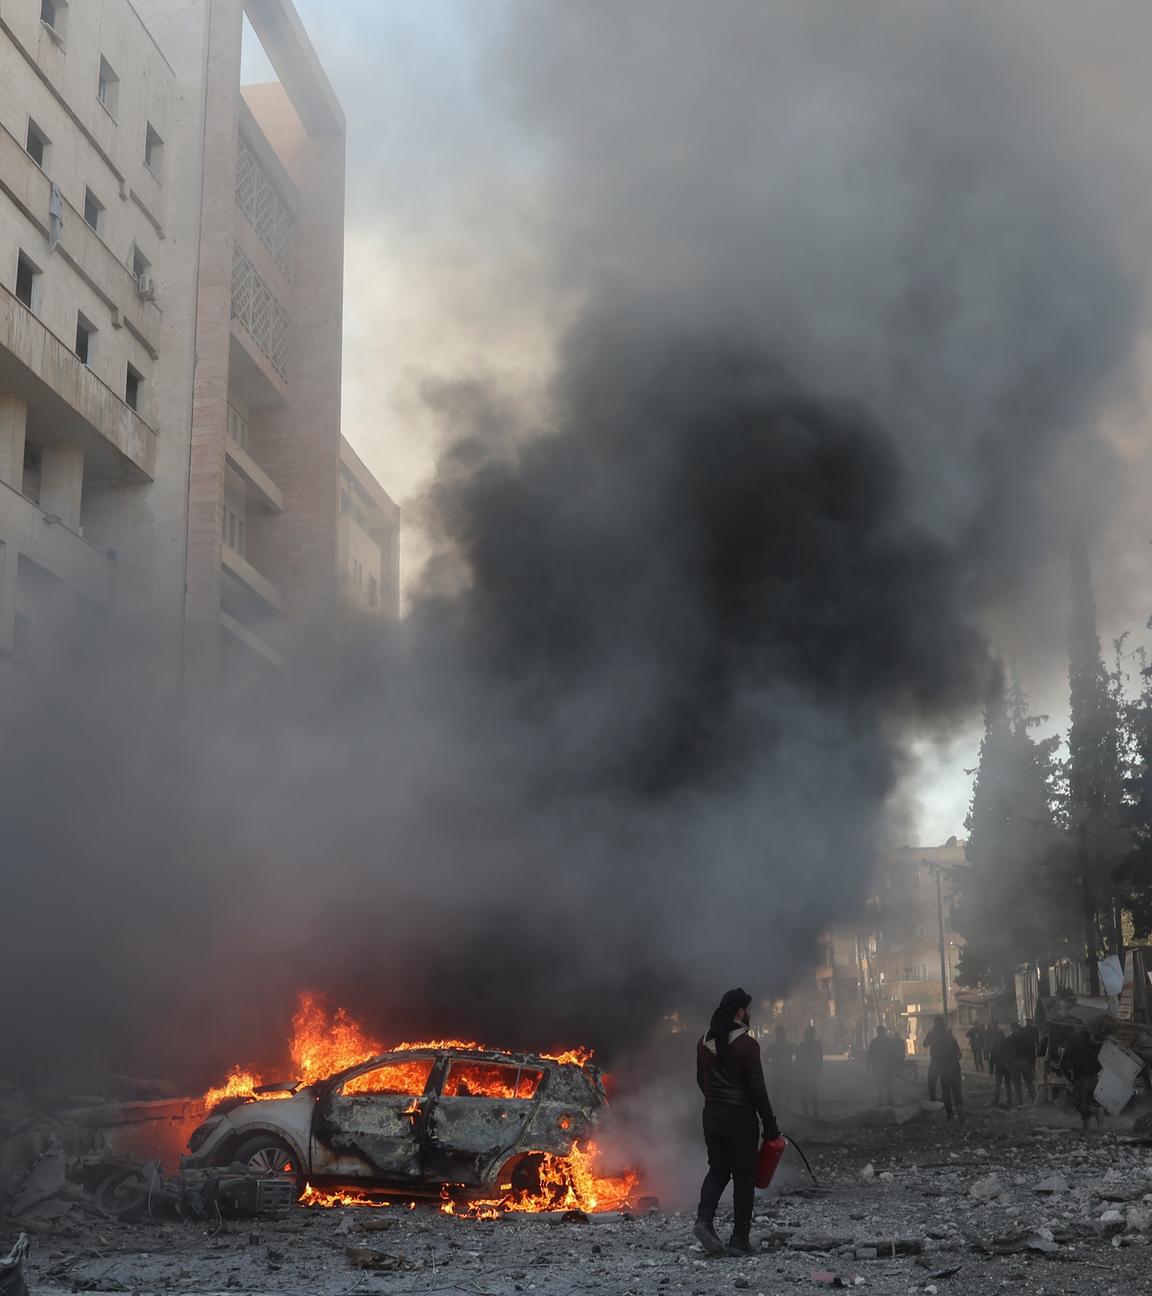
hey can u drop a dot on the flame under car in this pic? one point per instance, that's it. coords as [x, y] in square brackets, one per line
[411, 1122]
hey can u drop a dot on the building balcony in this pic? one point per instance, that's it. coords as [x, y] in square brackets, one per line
[242, 571]
[68, 565]
[67, 402]
[267, 493]
[261, 333]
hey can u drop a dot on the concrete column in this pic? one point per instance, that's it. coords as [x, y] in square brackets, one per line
[13, 424]
[62, 482]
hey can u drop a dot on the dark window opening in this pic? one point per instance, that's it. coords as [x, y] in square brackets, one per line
[27, 288]
[132, 386]
[93, 208]
[48, 12]
[84, 332]
[108, 87]
[153, 150]
[37, 144]
[140, 264]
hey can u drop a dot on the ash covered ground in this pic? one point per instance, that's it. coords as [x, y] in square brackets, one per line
[1023, 1200]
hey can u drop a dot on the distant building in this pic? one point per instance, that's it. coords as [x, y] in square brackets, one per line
[886, 969]
[171, 301]
[368, 553]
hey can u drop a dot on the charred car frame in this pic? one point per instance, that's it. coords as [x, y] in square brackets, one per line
[410, 1121]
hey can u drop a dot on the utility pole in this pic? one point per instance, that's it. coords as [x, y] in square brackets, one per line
[943, 952]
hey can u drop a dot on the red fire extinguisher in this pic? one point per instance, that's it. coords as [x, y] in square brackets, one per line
[771, 1150]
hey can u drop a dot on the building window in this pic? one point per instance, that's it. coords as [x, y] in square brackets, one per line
[28, 282]
[234, 528]
[140, 264]
[132, 384]
[108, 87]
[373, 592]
[54, 15]
[37, 145]
[93, 210]
[153, 150]
[237, 427]
[85, 332]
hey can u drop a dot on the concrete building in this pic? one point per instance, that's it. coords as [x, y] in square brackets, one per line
[886, 969]
[170, 335]
[368, 559]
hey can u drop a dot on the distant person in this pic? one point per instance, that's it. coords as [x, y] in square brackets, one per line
[806, 1071]
[946, 1054]
[1082, 1063]
[1032, 1036]
[885, 1058]
[1020, 1064]
[976, 1044]
[779, 1055]
[997, 1063]
[935, 1037]
[736, 1105]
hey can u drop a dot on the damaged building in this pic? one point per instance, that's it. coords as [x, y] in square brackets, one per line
[171, 300]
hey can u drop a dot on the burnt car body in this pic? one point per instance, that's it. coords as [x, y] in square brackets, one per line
[411, 1121]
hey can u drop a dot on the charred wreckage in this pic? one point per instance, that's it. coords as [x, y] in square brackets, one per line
[415, 1121]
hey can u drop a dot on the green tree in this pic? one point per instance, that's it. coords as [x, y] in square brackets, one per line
[1134, 876]
[1014, 907]
[1095, 771]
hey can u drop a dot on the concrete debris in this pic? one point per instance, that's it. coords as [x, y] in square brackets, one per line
[13, 1281]
[1053, 1184]
[375, 1261]
[987, 1189]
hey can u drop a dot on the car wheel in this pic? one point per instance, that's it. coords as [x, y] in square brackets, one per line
[271, 1156]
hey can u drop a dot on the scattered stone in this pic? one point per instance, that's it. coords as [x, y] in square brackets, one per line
[987, 1189]
[1053, 1184]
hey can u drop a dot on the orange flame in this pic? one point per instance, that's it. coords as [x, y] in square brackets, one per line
[566, 1183]
[323, 1044]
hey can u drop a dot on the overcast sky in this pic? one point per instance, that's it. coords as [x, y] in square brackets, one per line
[447, 274]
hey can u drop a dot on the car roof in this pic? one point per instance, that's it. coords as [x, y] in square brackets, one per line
[464, 1054]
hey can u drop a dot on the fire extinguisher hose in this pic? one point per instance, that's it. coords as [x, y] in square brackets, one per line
[803, 1158]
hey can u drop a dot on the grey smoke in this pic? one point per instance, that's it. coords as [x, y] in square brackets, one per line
[855, 290]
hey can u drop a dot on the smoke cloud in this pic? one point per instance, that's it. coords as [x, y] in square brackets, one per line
[851, 292]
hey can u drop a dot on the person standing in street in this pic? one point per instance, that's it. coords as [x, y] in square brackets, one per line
[1082, 1063]
[976, 1044]
[736, 1105]
[997, 1063]
[946, 1053]
[935, 1037]
[885, 1057]
[779, 1056]
[1020, 1060]
[806, 1071]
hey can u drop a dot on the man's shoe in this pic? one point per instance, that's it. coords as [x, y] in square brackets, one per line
[707, 1236]
[739, 1245]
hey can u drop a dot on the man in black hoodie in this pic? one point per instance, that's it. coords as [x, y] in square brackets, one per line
[731, 1078]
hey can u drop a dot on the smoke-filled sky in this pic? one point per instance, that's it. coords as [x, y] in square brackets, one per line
[763, 359]
[501, 152]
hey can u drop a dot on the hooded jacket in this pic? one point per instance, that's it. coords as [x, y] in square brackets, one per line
[738, 1081]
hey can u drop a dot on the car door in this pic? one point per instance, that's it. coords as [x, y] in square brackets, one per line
[377, 1114]
[480, 1114]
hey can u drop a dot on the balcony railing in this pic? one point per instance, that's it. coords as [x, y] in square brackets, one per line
[255, 306]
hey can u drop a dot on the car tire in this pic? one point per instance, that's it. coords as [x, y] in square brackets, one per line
[272, 1156]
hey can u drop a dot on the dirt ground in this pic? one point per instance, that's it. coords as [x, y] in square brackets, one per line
[961, 1200]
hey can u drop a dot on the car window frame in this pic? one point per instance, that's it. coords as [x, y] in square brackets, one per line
[336, 1083]
[520, 1068]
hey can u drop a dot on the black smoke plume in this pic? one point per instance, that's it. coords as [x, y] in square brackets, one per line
[851, 292]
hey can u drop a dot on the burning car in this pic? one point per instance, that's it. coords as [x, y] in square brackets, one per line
[413, 1121]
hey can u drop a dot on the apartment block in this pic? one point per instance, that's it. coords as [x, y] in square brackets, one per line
[172, 247]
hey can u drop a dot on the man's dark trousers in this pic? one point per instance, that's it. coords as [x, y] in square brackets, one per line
[732, 1136]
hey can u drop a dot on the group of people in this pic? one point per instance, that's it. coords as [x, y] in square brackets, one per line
[794, 1070]
[738, 1111]
[1010, 1059]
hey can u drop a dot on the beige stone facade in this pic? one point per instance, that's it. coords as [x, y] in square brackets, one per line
[170, 335]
